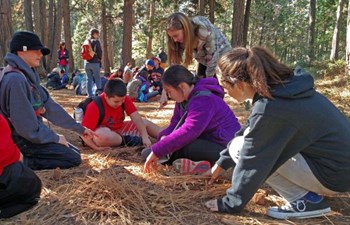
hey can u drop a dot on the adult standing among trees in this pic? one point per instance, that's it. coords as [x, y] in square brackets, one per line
[62, 57]
[24, 102]
[93, 66]
[197, 38]
[295, 138]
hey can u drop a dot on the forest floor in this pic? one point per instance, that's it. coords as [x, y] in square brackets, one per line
[110, 187]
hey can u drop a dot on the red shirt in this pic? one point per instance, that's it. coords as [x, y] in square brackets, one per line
[9, 153]
[113, 118]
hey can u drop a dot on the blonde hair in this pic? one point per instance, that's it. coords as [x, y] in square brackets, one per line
[179, 21]
[256, 66]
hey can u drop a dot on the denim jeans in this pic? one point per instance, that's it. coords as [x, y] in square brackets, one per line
[65, 68]
[20, 189]
[49, 156]
[93, 76]
[292, 180]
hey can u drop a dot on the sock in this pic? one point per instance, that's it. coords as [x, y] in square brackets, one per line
[312, 197]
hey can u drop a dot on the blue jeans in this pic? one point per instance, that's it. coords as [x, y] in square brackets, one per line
[93, 76]
[49, 156]
[65, 68]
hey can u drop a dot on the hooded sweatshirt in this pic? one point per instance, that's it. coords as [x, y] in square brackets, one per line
[208, 117]
[22, 96]
[297, 120]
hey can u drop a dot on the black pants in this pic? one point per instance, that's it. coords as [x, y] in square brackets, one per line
[49, 156]
[20, 189]
[199, 150]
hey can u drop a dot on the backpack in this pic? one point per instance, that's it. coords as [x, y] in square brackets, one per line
[87, 53]
[8, 69]
[97, 99]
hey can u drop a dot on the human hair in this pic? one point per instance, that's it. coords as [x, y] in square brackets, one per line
[115, 87]
[56, 70]
[143, 74]
[62, 43]
[177, 74]
[256, 66]
[94, 31]
[179, 21]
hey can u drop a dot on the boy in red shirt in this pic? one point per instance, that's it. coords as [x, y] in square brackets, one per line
[19, 186]
[113, 130]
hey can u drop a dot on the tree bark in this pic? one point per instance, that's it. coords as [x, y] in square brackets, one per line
[335, 40]
[152, 10]
[311, 33]
[5, 27]
[57, 29]
[127, 32]
[105, 59]
[28, 19]
[212, 11]
[237, 23]
[246, 22]
[201, 7]
[347, 56]
[67, 32]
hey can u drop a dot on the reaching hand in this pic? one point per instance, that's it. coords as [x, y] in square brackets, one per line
[62, 140]
[89, 134]
[215, 173]
[146, 141]
[151, 163]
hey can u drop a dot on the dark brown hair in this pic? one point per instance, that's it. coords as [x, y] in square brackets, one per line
[256, 66]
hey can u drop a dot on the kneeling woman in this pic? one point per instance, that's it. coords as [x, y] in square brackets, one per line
[295, 139]
[201, 126]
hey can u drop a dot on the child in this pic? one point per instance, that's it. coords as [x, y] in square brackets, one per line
[53, 79]
[295, 139]
[20, 186]
[143, 89]
[201, 126]
[113, 130]
[63, 81]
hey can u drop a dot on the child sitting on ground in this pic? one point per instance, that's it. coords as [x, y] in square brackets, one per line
[113, 130]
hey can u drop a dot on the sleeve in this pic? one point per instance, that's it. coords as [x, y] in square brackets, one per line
[58, 116]
[199, 114]
[129, 106]
[98, 50]
[91, 116]
[173, 122]
[261, 149]
[22, 114]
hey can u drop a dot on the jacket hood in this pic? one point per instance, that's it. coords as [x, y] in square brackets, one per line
[17, 62]
[209, 84]
[301, 85]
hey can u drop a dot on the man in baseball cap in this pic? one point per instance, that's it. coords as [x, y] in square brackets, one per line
[21, 94]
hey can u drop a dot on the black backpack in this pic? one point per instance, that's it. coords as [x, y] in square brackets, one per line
[97, 99]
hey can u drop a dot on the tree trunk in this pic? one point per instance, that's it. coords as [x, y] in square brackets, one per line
[212, 11]
[57, 29]
[28, 15]
[335, 40]
[347, 56]
[237, 23]
[51, 23]
[201, 7]
[67, 32]
[152, 9]
[5, 27]
[127, 32]
[311, 34]
[246, 22]
[105, 59]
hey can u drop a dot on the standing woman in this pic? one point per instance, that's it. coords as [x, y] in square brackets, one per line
[62, 57]
[197, 38]
[295, 139]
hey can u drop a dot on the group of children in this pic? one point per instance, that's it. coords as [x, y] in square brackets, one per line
[295, 139]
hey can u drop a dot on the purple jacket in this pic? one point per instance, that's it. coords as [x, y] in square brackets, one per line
[208, 117]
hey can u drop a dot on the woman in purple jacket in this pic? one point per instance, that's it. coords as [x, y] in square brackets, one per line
[201, 126]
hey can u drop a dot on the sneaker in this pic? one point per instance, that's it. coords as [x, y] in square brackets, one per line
[129, 140]
[187, 166]
[300, 209]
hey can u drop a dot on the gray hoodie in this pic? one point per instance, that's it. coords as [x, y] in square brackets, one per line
[297, 120]
[22, 97]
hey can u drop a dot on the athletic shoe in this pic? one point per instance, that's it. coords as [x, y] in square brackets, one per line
[187, 166]
[300, 209]
[129, 140]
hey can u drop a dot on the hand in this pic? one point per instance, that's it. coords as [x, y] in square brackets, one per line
[151, 163]
[215, 173]
[163, 99]
[146, 141]
[20, 157]
[89, 134]
[162, 137]
[212, 205]
[62, 140]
